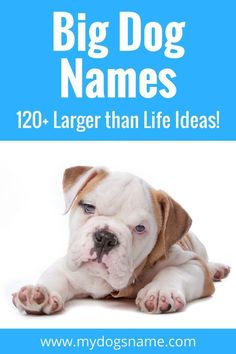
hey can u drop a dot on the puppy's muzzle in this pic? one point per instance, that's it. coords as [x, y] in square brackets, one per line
[104, 242]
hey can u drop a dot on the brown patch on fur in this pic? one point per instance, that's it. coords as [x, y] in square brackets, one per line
[72, 174]
[129, 293]
[90, 185]
[185, 243]
[173, 222]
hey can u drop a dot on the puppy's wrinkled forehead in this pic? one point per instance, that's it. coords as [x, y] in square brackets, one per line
[120, 192]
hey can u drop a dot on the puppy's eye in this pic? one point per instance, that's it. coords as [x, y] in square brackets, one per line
[88, 208]
[139, 228]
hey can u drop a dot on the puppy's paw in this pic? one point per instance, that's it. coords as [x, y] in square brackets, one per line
[159, 300]
[218, 271]
[36, 300]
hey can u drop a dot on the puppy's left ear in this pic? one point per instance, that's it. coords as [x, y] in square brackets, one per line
[76, 179]
[173, 223]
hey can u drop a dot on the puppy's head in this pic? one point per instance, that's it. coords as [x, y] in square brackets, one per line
[118, 223]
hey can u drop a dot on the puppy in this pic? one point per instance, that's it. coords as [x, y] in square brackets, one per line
[126, 240]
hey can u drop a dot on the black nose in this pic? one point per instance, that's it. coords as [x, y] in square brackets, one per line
[104, 242]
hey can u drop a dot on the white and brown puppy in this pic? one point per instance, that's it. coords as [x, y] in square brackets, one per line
[126, 240]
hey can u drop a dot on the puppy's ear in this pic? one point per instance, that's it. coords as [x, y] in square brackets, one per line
[75, 180]
[173, 223]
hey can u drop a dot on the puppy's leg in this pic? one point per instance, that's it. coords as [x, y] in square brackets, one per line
[218, 271]
[173, 287]
[48, 296]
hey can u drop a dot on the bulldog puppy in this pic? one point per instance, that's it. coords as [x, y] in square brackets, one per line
[126, 240]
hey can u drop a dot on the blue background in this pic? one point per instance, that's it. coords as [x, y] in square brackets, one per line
[207, 340]
[30, 70]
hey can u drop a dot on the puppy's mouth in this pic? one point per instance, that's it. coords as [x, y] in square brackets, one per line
[96, 265]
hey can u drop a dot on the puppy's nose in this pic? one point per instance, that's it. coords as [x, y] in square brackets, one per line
[104, 242]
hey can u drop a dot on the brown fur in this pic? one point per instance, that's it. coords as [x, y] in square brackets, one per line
[185, 243]
[173, 223]
[90, 185]
[72, 174]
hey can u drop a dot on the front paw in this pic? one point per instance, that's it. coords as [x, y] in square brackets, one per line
[153, 299]
[36, 300]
